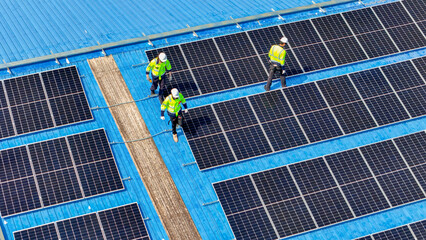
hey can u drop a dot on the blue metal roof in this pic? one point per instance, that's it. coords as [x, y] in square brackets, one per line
[194, 186]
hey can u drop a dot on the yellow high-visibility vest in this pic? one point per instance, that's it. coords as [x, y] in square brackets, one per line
[173, 105]
[158, 68]
[277, 54]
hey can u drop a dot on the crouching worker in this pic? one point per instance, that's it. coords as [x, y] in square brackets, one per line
[172, 104]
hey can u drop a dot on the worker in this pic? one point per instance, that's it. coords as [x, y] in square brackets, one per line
[172, 104]
[158, 67]
[276, 62]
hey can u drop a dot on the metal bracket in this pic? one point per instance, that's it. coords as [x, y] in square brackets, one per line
[126, 179]
[258, 21]
[193, 32]
[146, 219]
[56, 59]
[140, 64]
[149, 41]
[320, 8]
[279, 16]
[238, 25]
[188, 164]
[8, 70]
[103, 51]
[210, 203]
[67, 60]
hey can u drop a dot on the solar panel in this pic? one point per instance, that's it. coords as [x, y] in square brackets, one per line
[414, 100]
[387, 109]
[383, 157]
[338, 90]
[413, 148]
[264, 38]
[174, 55]
[353, 117]
[396, 234]
[253, 135]
[362, 21]
[420, 174]
[260, 229]
[270, 106]
[402, 75]
[370, 83]
[346, 50]
[285, 133]
[416, 8]
[419, 229]
[184, 82]
[314, 57]
[235, 114]
[377, 43]
[124, 222]
[320, 125]
[392, 14]
[420, 64]
[300, 33]
[332, 27]
[235, 46]
[407, 37]
[57, 171]
[213, 78]
[41, 101]
[244, 75]
[195, 53]
[305, 98]
[200, 122]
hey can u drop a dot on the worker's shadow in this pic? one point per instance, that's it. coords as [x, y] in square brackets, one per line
[193, 125]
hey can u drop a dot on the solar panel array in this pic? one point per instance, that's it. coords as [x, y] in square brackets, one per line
[240, 59]
[274, 121]
[415, 230]
[308, 195]
[41, 101]
[124, 223]
[56, 171]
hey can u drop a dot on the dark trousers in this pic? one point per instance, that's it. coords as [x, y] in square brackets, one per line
[155, 82]
[273, 68]
[175, 120]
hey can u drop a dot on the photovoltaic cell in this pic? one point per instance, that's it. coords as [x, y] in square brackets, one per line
[392, 14]
[213, 78]
[328, 207]
[377, 43]
[371, 83]
[195, 53]
[400, 187]
[253, 224]
[413, 148]
[407, 37]
[32, 117]
[362, 21]
[270, 106]
[394, 234]
[6, 127]
[338, 90]
[332, 27]
[314, 57]
[319, 125]
[3, 102]
[84, 227]
[71, 108]
[420, 173]
[235, 46]
[247, 71]
[200, 122]
[184, 82]
[353, 117]
[346, 50]
[305, 98]
[242, 142]
[18, 196]
[420, 64]
[419, 229]
[386, 109]
[14, 164]
[422, 26]
[414, 100]
[24, 89]
[235, 114]
[285, 133]
[90, 147]
[300, 33]
[264, 38]
[174, 55]
[416, 8]
[402, 75]
[50, 155]
[365, 197]
[45, 232]
[62, 82]
[383, 157]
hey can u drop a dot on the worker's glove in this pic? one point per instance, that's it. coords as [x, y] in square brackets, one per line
[283, 72]
[149, 79]
[163, 118]
[186, 110]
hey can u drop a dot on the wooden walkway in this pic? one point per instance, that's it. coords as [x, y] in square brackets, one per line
[151, 167]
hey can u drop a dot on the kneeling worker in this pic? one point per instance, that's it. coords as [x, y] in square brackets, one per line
[172, 104]
[277, 55]
[158, 67]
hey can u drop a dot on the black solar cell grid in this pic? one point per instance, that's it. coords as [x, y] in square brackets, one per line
[377, 43]
[401, 233]
[90, 147]
[338, 90]
[400, 187]
[237, 195]
[312, 176]
[416, 8]
[15, 164]
[422, 26]
[414, 100]
[275, 185]
[24, 89]
[235, 46]
[305, 98]
[413, 148]
[291, 217]
[314, 57]
[319, 125]
[174, 55]
[354, 117]
[403, 75]
[300, 33]
[407, 37]
[328, 207]
[62, 82]
[183, 81]
[253, 224]
[264, 38]
[45, 232]
[235, 114]
[419, 229]
[387, 109]
[247, 71]
[50, 155]
[200, 122]
[371, 83]
[249, 142]
[365, 197]
[32, 117]
[420, 174]
[392, 14]
[18, 196]
[284, 134]
[3, 102]
[383, 157]
[201, 53]
[213, 78]
[346, 50]
[270, 106]
[211, 151]
[362, 21]
[332, 27]
[348, 166]
[6, 127]
[420, 64]
[70, 109]
[84, 227]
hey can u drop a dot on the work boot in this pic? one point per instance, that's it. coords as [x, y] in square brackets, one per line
[266, 89]
[152, 93]
[175, 137]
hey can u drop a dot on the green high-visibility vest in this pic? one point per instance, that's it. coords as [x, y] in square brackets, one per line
[173, 105]
[277, 54]
[158, 68]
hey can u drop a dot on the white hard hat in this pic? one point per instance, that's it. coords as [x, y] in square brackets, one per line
[162, 57]
[284, 40]
[175, 93]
